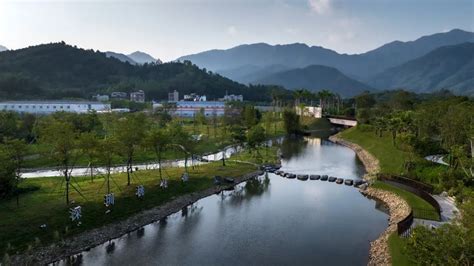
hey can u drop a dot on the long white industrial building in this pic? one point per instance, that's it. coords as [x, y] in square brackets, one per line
[48, 107]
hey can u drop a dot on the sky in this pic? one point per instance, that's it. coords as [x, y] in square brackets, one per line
[168, 29]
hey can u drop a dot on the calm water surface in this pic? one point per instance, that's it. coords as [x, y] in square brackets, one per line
[268, 221]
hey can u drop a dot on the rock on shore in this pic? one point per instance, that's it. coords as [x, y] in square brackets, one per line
[399, 209]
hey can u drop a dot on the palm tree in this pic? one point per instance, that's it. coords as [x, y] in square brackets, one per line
[298, 94]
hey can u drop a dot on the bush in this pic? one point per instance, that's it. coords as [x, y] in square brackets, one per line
[7, 175]
[450, 244]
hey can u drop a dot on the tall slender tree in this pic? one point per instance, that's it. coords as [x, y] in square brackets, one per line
[62, 140]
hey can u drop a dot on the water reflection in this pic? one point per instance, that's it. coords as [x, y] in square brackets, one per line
[269, 220]
[292, 147]
[245, 192]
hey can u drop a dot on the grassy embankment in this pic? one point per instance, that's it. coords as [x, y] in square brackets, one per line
[20, 226]
[391, 161]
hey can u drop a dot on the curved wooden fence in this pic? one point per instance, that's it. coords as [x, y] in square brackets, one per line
[406, 181]
[420, 189]
[404, 225]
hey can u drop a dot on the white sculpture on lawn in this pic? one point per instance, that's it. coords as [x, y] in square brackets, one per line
[140, 191]
[109, 199]
[164, 183]
[185, 177]
[75, 214]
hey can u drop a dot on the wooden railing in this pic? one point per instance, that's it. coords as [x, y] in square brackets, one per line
[405, 224]
[406, 181]
[420, 189]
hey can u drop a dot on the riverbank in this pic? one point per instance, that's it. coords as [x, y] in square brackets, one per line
[379, 253]
[398, 209]
[371, 164]
[94, 237]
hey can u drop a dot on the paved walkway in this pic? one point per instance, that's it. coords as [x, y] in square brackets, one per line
[449, 211]
[448, 207]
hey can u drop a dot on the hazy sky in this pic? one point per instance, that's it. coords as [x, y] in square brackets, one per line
[168, 29]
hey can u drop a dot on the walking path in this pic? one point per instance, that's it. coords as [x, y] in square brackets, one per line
[449, 210]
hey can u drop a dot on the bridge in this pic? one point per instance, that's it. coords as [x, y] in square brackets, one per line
[342, 120]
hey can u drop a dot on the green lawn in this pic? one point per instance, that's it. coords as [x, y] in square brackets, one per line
[421, 208]
[390, 158]
[19, 226]
[391, 161]
[397, 246]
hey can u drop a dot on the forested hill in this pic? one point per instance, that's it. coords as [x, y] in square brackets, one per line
[317, 78]
[450, 67]
[59, 70]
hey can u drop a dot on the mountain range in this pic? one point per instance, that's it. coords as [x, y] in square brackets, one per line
[58, 70]
[316, 77]
[135, 58]
[3, 48]
[260, 62]
[446, 67]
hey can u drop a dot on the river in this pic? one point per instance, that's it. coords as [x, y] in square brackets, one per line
[267, 221]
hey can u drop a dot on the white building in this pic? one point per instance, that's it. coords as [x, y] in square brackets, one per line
[195, 97]
[233, 98]
[118, 95]
[102, 98]
[190, 108]
[48, 107]
[314, 111]
[173, 96]
[137, 96]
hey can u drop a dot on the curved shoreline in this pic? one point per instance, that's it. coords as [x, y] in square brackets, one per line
[94, 237]
[379, 253]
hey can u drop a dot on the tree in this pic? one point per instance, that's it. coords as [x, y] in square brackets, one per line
[365, 100]
[449, 244]
[201, 119]
[255, 137]
[292, 122]
[159, 139]
[16, 150]
[106, 152]
[88, 144]
[129, 132]
[250, 117]
[183, 141]
[7, 173]
[61, 138]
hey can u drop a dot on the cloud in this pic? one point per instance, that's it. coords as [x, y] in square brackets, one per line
[292, 31]
[320, 6]
[232, 30]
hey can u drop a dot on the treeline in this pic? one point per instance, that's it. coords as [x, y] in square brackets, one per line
[424, 125]
[105, 139]
[57, 71]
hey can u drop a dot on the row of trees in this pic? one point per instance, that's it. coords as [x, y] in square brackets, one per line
[103, 140]
[332, 103]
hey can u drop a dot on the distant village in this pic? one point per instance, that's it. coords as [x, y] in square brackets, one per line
[186, 106]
